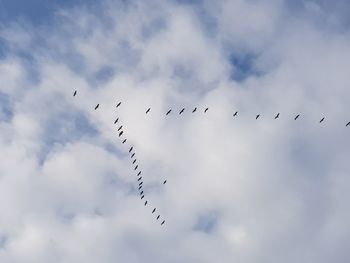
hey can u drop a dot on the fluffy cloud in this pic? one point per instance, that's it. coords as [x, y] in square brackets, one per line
[238, 189]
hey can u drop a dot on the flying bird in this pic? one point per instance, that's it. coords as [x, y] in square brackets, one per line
[168, 112]
[139, 173]
[121, 133]
[164, 182]
[124, 141]
[146, 203]
[121, 126]
[75, 93]
[134, 161]
[278, 114]
[194, 110]
[133, 155]
[183, 109]
[206, 109]
[322, 120]
[347, 124]
[118, 104]
[158, 217]
[153, 210]
[131, 149]
[136, 167]
[147, 111]
[235, 114]
[116, 120]
[97, 106]
[257, 116]
[162, 223]
[296, 117]
[142, 197]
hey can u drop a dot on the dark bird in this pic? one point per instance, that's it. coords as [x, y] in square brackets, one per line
[162, 223]
[121, 126]
[146, 203]
[124, 141]
[97, 106]
[131, 149]
[141, 193]
[75, 93]
[257, 116]
[134, 161]
[347, 124]
[278, 114]
[116, 120]
[164, 182]
[139, 178]
[147, 111]
[183, 109]
[121, 133]
[168, 112]
[206, 110]
[136, 167]
[118, 104]
[139, 173]
[158, 217]
[153, 210]
[235, 114]
[140, 183]
[194, 110]
[322, 120]
[133, 155]
[142, 197]
[140, 187]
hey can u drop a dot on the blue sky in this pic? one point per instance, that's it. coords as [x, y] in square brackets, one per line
[238, 188]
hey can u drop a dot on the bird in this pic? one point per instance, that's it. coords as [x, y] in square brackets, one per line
[97, 106]
[168, 112]
[194, 110]
[206, 109]
[139, 173]
[75, 93]
[322, 120]
[118, 104]
[139, 178]
[153, 210]
[296, 117]
[146, 203]
[347, 124]
[158, 217]
[278, 114]
[133, 155]
[142, 197]
[121, 133]
[235, 114]
[162, 223]
[134, 161]
[116, 120]
[140, 183]
[124, 141]
[257, 116]
[131, 149]
[147, 111]
[164, 182]
[183, 109]
[136, 167]
[120, 127]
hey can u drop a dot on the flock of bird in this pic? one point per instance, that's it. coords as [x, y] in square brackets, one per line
[134, 164]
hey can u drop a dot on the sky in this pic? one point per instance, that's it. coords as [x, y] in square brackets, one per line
[239, 189]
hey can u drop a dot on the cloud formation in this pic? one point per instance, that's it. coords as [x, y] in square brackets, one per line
[238, 189]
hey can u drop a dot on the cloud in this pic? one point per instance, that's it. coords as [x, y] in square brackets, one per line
[237, 188]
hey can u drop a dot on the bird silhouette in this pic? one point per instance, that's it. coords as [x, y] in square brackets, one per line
[139, 178]
[147, 111]
[131, 149]
[158, 217]
[116, 120]
[322, 120]
[153, 210]
[162, 223]
[97, 106]
[136, 167]
[278, 114]
[120, 134]
[168, 112]
[124, 141]
[75, 93]
[257, 116]
[235, 114]
[133, 155]
[134, 161]
[194, 110]
[347, 124]
[139, 173]
[296, 117]
[164, 182]
[120, 127]
[146, 203]
[206, 109]
[118, 104]
[183, 109]
[142, 197]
